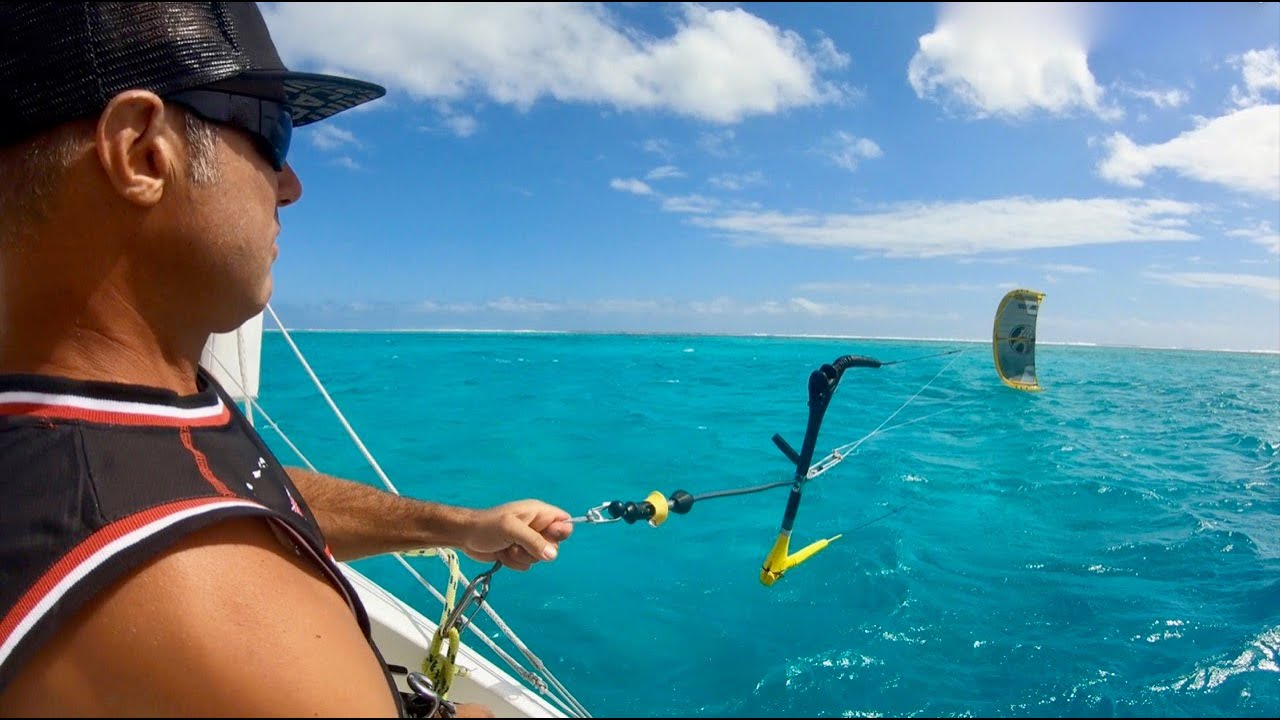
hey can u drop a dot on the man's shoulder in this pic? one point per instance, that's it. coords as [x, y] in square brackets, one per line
[226, 621]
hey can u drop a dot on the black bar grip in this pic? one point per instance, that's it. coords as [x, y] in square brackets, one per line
[786, 448]
[793, 504]
[843, 363]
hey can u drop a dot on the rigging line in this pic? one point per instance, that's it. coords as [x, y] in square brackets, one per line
[876, 520]
[387, 481]
[854, 446]
[856, 443]
[844, 448]
[820, 468]
[332, 405]
[850, 448]
[250, 402]
[514, 664]
[741, 490]
[655, 508]
[925, 357]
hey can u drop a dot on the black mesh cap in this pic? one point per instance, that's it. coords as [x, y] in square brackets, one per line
[66, 60]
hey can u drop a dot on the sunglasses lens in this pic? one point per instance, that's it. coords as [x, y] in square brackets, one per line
[270, 121]
[278, 132]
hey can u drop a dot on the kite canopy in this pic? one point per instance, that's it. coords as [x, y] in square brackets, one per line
[1013, 340]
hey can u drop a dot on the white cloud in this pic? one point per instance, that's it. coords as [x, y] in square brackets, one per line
[718, 143]
[431, 306]
[736, 181]
[720, 65]
[1067, 269]
[1000, 225]
[1261, 74]
[639, 307]
[840, 310]
[521, 305]
[663, 172]
[1161, 98]
[461, 125]
[658, 146]
[847, 150]
[1006, 260]
[332, 137]
[1240, 151]
[1149, 331]
[1263, 234]
[719, 306]
[697, 204]
[1009, 59]
[849, 288]
[802, 306]
[829, 56]
[631, 185]
[348, 163]
[1266, 286]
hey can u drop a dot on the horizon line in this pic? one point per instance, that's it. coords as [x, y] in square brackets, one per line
[802, 336]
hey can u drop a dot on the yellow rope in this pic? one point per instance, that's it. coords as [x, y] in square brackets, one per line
[441, 667]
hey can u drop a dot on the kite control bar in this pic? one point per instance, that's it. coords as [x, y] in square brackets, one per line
[656, 507]
[822, 386]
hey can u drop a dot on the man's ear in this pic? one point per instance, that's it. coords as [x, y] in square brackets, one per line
[138, 145]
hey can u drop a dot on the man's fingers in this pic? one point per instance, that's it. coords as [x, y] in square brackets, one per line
[516, 558]
[546, 516]
[516, 554]
[559, 530]
[529, 539]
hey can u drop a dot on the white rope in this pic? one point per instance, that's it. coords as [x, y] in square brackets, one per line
[244, 380]
[506, 629]
[537, 682]
[843, 451]
[534, 659]
[334, 406]
[253, 403]
[578, 710]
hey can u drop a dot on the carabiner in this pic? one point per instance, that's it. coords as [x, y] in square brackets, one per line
[477, 590]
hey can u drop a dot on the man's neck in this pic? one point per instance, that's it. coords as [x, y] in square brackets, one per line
[89, 355]
[100, 337]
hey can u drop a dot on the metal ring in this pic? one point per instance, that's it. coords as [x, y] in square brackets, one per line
[423, 688]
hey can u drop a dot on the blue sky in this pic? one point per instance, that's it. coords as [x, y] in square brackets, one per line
[848, 169]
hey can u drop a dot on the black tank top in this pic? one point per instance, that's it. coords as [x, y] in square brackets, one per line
[98, 478]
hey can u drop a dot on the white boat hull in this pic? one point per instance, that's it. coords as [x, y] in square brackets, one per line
[403, 635]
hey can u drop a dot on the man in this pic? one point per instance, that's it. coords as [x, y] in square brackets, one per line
[155, 559]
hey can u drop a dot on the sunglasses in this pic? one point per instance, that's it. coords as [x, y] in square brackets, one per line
[267, 120]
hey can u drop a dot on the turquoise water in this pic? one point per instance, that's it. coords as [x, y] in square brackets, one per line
[1108, 547]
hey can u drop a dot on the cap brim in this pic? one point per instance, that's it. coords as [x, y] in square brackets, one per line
[310, 97]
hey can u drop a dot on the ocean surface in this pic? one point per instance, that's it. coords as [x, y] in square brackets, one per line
[1107, 547]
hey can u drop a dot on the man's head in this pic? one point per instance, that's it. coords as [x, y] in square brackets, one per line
[152, 137]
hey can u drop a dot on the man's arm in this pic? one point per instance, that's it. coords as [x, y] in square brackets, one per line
[359, 521]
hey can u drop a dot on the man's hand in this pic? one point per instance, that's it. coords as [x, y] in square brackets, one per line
[518, 533]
